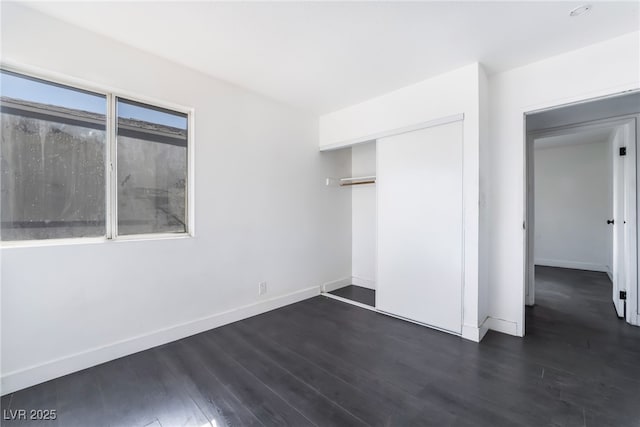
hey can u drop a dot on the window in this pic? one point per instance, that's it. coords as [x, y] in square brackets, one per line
[52, 160]
[62, 176]
[152, 169]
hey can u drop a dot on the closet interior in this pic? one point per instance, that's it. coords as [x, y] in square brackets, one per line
[362, 185]
[407, 221]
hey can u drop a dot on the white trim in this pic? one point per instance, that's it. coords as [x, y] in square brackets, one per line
[392, 132]
[362, 282]
[572, 128]
[529, 221]
[150, 236]
[576, 265]
[503, 326]
[475, 333]
[623, 120]
[190, 204]
[523, 111]
[623, 90]
[475, 231]
[113, 147]
[335, 284]
[631, 218]
[17, 244]
[17, 380]
[111, 180]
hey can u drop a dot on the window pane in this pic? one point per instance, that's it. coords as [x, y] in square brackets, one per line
[152, 169]
[52, 160]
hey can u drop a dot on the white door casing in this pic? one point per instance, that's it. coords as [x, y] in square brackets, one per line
[631, 222]
[625, 211]
[618, 221]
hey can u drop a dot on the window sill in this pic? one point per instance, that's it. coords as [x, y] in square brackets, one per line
[92, 240]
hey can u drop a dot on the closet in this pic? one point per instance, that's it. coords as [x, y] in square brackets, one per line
[361, 289]
[407, 225]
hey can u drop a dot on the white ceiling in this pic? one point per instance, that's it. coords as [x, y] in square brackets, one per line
[591, 136]
[323, 56]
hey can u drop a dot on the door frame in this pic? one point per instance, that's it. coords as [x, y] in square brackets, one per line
[631, 124]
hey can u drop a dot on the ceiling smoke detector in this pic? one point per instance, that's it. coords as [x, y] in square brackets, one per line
[580, 10]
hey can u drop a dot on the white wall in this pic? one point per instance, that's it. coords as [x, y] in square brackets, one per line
[453, 93]
[262, 212]
[456, 92]
[363, 217]
[573, 200]
[600, 69]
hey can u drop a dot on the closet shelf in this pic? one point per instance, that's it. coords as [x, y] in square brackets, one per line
[354, 180]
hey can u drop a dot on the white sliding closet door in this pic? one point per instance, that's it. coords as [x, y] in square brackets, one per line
[419, 184]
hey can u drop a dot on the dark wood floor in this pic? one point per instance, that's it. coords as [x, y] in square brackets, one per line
[325, 363]
[358, 294]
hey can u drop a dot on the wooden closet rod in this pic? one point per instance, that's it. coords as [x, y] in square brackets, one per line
[357, 183]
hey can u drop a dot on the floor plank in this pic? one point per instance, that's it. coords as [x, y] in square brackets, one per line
[309, 400]
[322, 362]
[269, 407]
[358, 294]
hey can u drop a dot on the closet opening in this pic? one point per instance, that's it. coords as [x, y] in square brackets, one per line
[361, 288]
[407, 222]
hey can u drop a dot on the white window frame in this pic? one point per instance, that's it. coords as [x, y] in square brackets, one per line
[111, 190]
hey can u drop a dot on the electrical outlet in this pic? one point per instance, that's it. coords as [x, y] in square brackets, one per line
[262, 288]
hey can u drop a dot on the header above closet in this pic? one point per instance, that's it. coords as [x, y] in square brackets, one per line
[390, 132]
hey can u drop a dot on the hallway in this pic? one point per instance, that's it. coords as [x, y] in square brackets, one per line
[576, 306]
[573, 329]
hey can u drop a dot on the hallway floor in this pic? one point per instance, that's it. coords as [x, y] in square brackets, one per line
[573, 330]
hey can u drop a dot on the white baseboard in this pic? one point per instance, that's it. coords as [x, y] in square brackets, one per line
[23, 378]
[475, 333]
[336, 284]
[576, 265]
[365, 283]
[504, 326]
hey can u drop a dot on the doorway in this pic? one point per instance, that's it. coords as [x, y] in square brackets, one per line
[581, 221]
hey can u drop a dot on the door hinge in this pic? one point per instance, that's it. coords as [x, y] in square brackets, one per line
[623, 295]
[623, 151]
